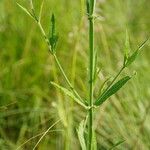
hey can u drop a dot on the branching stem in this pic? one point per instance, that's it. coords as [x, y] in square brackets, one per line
[57, 62]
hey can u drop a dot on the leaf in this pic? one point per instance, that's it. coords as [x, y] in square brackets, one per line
[80, 132]
[102, 88]
[53, 24]
[117, 144]
[25, 10]
[115, 88]
[132, 58]
[53, 37]
[53, 41]
[69, 93]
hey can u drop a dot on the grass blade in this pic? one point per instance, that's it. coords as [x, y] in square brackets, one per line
[80, 132]
[46, 133]
[115, 88]
[69, 93]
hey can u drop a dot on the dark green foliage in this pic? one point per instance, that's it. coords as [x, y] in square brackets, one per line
[115, 88]
[88, 6]
[53, 36]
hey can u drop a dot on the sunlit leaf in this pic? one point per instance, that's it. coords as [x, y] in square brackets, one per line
[80, 132]
[53, 36]
[68, 93]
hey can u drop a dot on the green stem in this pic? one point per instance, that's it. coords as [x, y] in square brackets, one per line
[66, 78]
[91, 69]
[58, 63]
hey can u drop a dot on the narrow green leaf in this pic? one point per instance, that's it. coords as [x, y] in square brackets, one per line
[53, 24]
[115, 88]
[25, 10]
[53, 36]
[69, 93]
[117, 144]
[132, 58]
[80, 132]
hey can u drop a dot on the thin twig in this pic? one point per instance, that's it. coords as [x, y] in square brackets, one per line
[35, 137]
[45, 134]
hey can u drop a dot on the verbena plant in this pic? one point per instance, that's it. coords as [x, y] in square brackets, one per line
[85, 131]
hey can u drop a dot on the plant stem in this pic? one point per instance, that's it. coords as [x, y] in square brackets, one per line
[58, 63]
[66, 78]
[91, 70]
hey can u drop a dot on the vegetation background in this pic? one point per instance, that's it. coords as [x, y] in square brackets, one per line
[29, 105]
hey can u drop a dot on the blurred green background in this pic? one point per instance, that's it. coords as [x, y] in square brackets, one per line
[29, 104]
